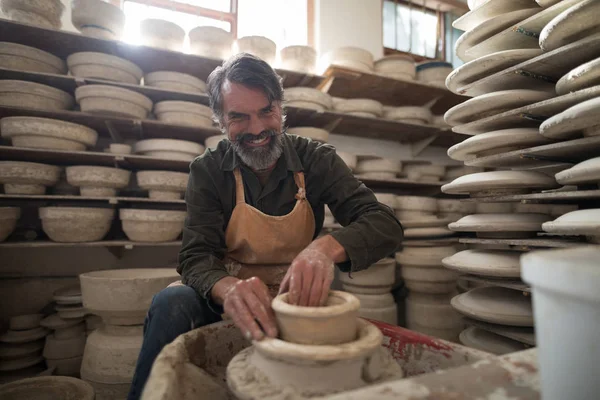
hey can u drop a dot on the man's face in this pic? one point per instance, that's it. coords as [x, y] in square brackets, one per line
[252, 124]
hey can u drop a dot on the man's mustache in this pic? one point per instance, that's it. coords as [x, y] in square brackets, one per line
[244, 137]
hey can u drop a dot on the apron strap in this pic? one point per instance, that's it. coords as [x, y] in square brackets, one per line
[239, 187]
[299, 179]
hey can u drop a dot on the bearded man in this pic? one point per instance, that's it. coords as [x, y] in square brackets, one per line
[255, 206]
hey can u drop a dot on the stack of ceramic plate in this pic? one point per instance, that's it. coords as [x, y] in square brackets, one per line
[21, 346]
[418, 217]
[431, 287]
[377, 168]
[372, 287]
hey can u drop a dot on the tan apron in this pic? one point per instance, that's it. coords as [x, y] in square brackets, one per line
[264, 245]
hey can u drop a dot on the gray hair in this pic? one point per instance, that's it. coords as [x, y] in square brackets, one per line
[247, 70]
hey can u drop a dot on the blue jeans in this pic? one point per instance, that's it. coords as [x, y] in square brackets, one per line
[174, 311]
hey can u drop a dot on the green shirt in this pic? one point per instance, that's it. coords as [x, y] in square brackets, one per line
[371, 230]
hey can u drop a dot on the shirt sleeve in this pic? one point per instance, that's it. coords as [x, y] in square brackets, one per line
[203, 247]
[370, 230]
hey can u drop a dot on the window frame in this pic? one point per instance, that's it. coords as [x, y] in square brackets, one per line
[441, 27]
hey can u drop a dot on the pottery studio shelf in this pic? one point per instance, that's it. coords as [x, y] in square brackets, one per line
[505, 283]
[335, 122]
[530, 116]
[575, 196]
[522, 35]
[570, 151]
[347, 83]
[57, 199]
[518, 333]
[539, 73]
[149, 59]
[527, 244]
[125, 244]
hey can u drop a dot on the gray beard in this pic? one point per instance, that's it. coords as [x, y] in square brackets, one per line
[258, 158]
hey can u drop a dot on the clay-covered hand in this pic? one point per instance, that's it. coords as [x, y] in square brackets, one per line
[248, 302]
[309, 278]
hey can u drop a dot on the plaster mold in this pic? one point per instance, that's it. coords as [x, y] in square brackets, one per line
[27, 178]
[184, 113]
[175, 81]
[104, 66]
[163, 185]
[378, 278]
[318, 134]
[47, 133]
[23, 94]
[97, 18]
[8, 221]
[43, 13]
[259, 46]
[299, 58]
[94, 181]
[171, 149]
[162, 34]
[315, 98]
[76, 224]
[113, 101]
[25, 58]
[152, 225]
[212, 42]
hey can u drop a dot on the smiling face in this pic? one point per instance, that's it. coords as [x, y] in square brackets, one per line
[253, 124]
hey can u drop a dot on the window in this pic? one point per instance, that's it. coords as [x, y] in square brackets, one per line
[411, 29]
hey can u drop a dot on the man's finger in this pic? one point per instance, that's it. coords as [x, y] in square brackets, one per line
[328, 279]
[261, 311]
[285, 283]
[308, 275]
[314, 297]
[246, 320]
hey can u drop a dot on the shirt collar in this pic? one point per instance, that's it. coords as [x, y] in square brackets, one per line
[292, 161]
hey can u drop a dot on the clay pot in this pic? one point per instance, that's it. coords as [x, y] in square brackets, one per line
[299, 58]
[152, 225]
[184, 113]
[122, 297]
[169, 149]
[8, 221]
[94, 181]
[42, 13]
[212, 42]
[213, 141]
[175, 81]
[25, 322]
[23, 94]
[76, 224]
[313, 98]
[163, 185]
[27, 178]
[111, 100]
[104, 66]
[378, 278]
[161, 33]
[334, 323]
[64, 348]
[259, 46]
[105, 20]
[111, 353]
[49, 387]
[318, 134]
[25, 58]
[47, 133]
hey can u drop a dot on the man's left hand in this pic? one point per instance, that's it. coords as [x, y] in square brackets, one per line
[309, 278]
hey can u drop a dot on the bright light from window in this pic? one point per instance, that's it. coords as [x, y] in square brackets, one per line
[136, 12]
[219, 5]
[420, 38]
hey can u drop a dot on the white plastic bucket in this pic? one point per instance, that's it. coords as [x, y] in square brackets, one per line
[566, 304]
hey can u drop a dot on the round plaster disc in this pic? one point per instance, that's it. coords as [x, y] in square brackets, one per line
[494, 263]
[490, 342]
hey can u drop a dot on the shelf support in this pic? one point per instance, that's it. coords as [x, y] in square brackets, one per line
[116, 251]
[417, 147]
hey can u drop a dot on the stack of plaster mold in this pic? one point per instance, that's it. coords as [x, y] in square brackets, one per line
[94, 181]
[431, 288]
[163, 185]
[433, 72]
[119, 148]
[350, 159]
[97, 18]
[104, 66]
[63, 349]
[452, 209]
[298, 58]
[175, 81]
[397, 66]
[113, 101]
[76, 224]
[46, 133]
[163, 34]
[21, 347]
[210, 41]
[378, 168]
[170, 149]
[43, 13]
[9, 216]
[317, 134]
[259, 46]
[419, 218]
[408, 114]
[372, 287]
[184, 113]
[423, 171]
[19, 177]
[23, 94]
[25, 58]
[213, 141]
[366, 108]
[121, 298]
[309, 98]
[141, 225]
[318, 345]
[350, 57]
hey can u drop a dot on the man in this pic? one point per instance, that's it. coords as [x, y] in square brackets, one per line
[255, 205]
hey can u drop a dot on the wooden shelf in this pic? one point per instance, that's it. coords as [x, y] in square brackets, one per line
[527, 244]
[348, 83]
[487, 9]
[539, 73]
[149, 59]
[530, 116]
[74, 198]
[570, 151]
[126, 244]
[545, 197]
[518, 333]
[505, 283]
[60, 157]
[522, 35]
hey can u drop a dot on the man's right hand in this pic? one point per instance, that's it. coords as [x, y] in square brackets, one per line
[246, 302]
